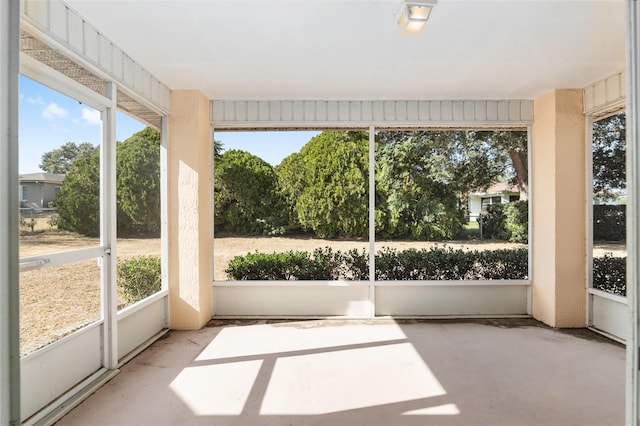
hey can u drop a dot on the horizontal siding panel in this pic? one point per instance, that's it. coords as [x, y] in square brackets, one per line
[412, 111]
[355, 111]
[58, 20]
[332, 111]
[446, 111]
[343, 111]
[364, 113]
[458, 111]
[367, 111]
[240, 111]
[423, 110]
[401, 111]
[309, 111]
[605, 95]
[78, 40]
[298, 111]
[389, 110]
[263, 111]
[378, 111]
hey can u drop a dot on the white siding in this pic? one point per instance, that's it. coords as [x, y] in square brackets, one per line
[605, 95]
[265, 114]
[62, 25]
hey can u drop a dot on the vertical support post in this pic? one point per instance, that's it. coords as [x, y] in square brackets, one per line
[372, 221]
[189, 163]
[633, 191]
[108, 229]
[9, 278]
[588, 165]
[530, 189]
[164, 215]
[559, 209]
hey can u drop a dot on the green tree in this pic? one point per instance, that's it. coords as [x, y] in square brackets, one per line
[423, 179]
[609, 155]
[515, 144]
[60, 159]
[326, 184]
[138, 183]
[246, 195]
[78, 202]
[137, 189]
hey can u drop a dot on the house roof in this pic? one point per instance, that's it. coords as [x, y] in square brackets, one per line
[41, 177]
[333, 50]
[499, 188]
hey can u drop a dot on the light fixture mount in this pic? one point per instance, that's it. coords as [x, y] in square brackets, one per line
[414, 14]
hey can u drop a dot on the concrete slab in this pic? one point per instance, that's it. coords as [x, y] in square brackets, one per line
[377, 372]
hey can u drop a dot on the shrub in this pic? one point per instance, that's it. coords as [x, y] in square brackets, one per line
[138, 277]
[411, 264]
[516, 221]
[492, 223]
[449, 264]
[28, 225]
[609, 274]
[322, 264]
[609, 222]
[509, 222]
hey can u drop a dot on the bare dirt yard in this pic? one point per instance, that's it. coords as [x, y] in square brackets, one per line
[60, 299]
[57, 300]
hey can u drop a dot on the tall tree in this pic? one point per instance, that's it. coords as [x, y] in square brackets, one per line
[423, 179]
[609, 156]
[138, 182]
[78, 202]
[246, 196]
[327, 184]
[137, 189]
[515, 143]
[60, 159]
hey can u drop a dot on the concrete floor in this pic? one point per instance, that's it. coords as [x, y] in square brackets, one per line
[382, 372]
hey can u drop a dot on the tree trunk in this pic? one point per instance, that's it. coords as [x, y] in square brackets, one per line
[519, 161]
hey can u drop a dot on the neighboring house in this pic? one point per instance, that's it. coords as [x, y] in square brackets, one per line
[39, 190]
[619, 197]
[499, 193]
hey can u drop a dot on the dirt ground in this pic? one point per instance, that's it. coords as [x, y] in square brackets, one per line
[57, 300]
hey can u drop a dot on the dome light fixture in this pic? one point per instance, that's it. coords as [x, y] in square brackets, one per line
[414, 14]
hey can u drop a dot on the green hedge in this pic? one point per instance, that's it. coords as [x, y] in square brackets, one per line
[411, 264]
[609, 222]
[609, 274]
[138, 277]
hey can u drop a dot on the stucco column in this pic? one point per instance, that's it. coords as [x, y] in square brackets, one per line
[189, 167]
[559, 209]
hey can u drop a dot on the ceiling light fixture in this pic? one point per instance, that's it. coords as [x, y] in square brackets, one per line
[414, 14]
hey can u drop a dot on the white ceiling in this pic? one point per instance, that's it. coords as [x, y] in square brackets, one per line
[333, 49]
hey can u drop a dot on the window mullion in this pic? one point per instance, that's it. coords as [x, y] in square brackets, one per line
[108, 229]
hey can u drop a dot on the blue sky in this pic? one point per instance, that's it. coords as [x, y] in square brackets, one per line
[48, 119]
[272, 147]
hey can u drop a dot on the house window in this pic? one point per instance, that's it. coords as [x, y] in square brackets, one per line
[513, 198]
[23, 192]
[487, 201]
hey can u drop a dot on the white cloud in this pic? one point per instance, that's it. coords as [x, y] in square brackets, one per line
[91, 117]
[53, 110]
[37, 101]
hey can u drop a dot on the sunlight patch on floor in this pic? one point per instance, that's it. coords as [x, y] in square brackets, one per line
[263, 339]
[438, 410]
[350, 379]
[211, 390]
